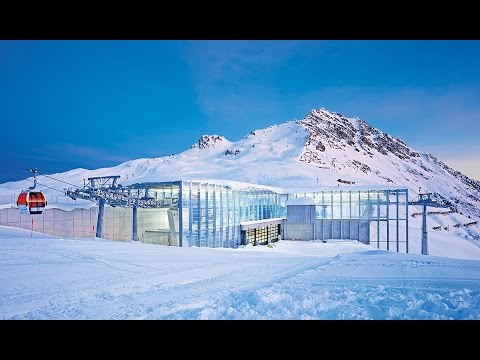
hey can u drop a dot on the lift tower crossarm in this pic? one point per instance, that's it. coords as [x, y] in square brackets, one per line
[106, 188]
[425, 200]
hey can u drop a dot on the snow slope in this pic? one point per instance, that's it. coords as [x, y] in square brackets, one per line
[84, 279]
[316, 151]
[361, 153]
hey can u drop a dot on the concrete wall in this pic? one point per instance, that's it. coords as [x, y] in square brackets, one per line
[160, 237]
[153, 225]
[364, 232]
[117, 223]
[327, 229]
[298, 231]
[301, 213]
[74, 223]
[354, 229]
[346, 229]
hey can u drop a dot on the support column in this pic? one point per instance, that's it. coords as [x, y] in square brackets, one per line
[424, 231]
[199, 187]
[227, 193]
[406, 220]
[331, 209]
[323, 216]
[341, 215]
[350, 212]
[359, 214]
[190, 216]
[222, 216]
[398, 240]
[214, 217]
[369, 209]
[101, 212]
[180, 215]
[207, 221]
[388, 219]
[134, 223]
[234, 233]
[378, 219]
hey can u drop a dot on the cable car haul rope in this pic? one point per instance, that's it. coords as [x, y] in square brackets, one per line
[103, 188]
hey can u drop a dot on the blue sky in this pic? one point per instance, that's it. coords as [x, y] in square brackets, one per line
[90, 104]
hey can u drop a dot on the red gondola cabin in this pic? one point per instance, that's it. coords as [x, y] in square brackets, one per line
[33, 202]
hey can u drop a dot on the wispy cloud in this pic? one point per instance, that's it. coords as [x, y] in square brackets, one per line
[232, 78]
[90, 155]
[442, 111]
[239, 84]
[212, 61]
[444, 121]
[93, 152]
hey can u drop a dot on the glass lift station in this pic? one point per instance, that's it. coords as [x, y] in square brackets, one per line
[376, 215]
[202, 214]
[205, 214]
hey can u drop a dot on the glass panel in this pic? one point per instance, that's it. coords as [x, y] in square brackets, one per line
[336, 205]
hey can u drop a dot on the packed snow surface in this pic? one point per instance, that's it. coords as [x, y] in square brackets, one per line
[46, 277]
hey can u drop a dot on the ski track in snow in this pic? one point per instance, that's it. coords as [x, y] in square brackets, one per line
[353, 299]
[82, 279]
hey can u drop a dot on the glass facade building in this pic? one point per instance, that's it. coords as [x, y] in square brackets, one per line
[343, 211]
[211, 215]
[207, 214]
[196, 213]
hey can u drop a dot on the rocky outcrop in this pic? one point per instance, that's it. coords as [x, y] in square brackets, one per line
[375, 153]
[208, 141]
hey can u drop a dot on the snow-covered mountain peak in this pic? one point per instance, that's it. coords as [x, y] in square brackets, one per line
[324, 148]
[338, 132]
[209, 141]
[353, 148]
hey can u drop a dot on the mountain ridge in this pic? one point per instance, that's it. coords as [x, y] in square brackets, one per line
[324, 148]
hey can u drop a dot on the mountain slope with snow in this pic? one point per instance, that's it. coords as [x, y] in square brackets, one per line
[351, 146]
[318, 150]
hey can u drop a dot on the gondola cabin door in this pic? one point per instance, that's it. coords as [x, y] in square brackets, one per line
[22, 202]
